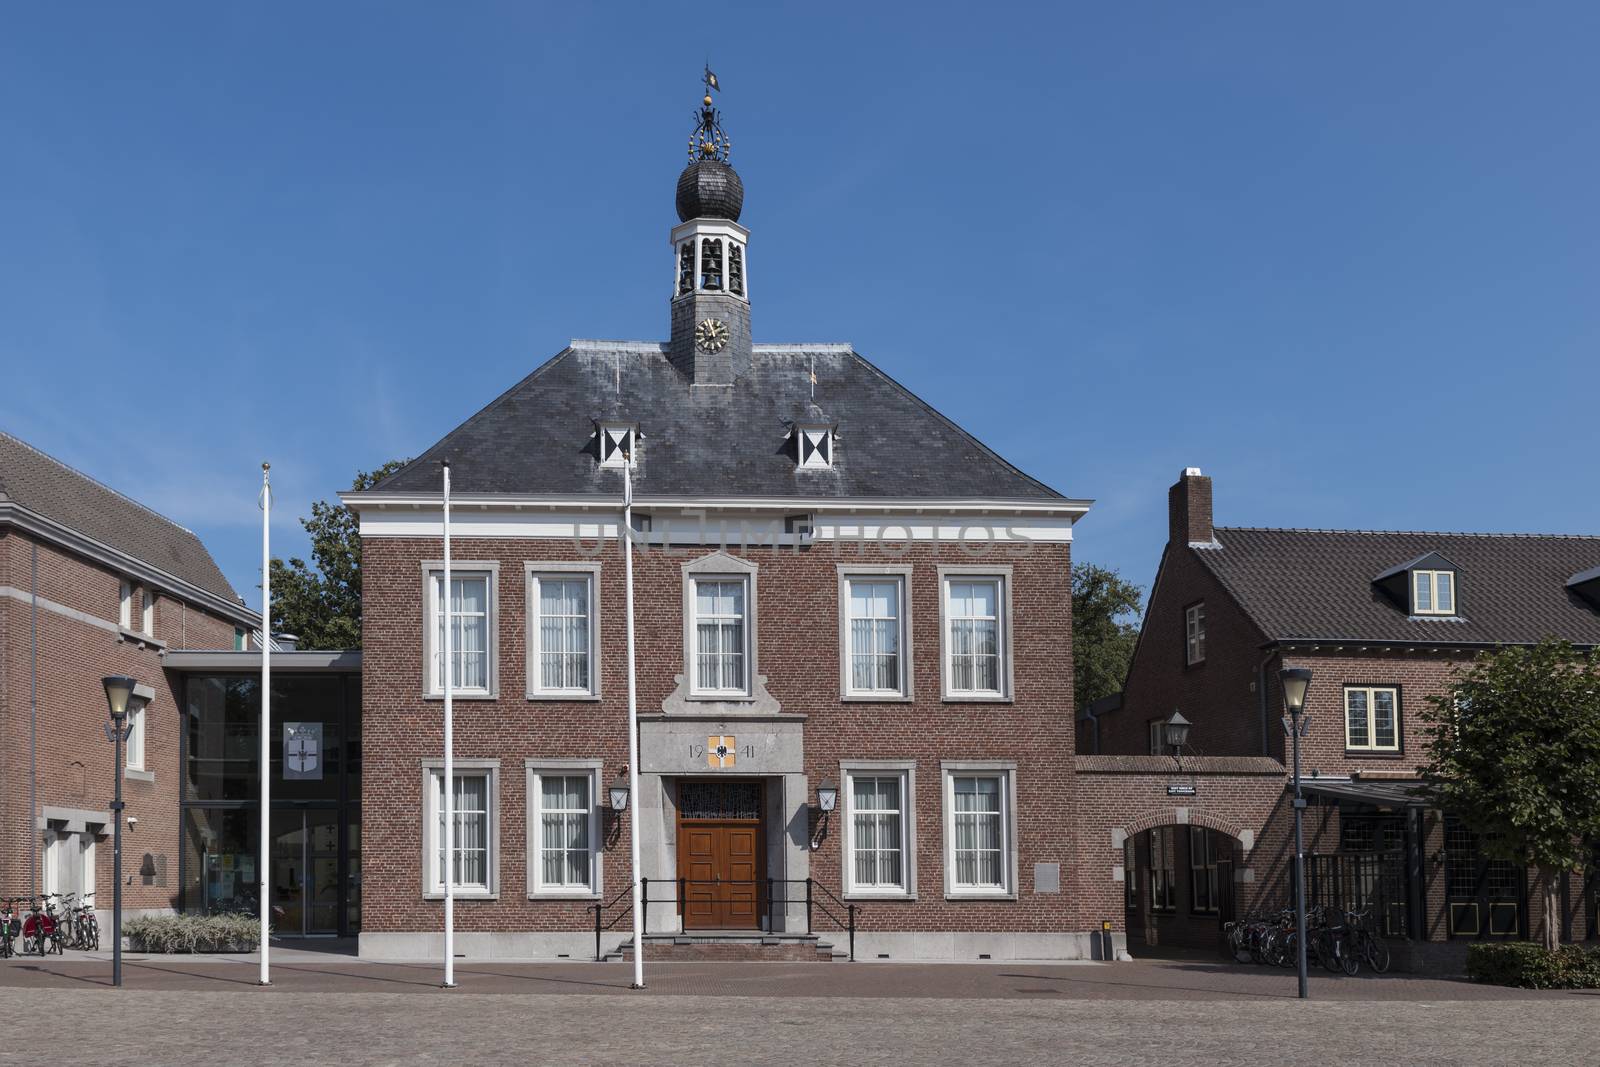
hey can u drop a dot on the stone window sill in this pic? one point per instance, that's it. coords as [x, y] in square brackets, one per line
[134, 774]
[125, 634]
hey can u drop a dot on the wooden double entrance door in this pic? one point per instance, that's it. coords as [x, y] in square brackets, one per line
[721, 855]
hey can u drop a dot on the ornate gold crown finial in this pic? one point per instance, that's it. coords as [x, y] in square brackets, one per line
[709, 141]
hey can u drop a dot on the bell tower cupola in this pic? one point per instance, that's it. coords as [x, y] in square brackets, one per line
[711, 287]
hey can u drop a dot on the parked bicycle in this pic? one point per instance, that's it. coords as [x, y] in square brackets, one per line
[38, 927]
[10, 926]
[1339, 941]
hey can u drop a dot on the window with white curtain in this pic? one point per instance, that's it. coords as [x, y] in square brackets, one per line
[721, 634]
[562, 641]
[134, 753]
[565, 818]
[975, 638]
[978, 826]
[874, 632]
[475, 829]
[471, 621]
[147, 615]
[125, 593]
[877, 817]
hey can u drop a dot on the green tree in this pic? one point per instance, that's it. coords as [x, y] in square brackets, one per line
[1105, 627]
[1514, 752]
[322, 606]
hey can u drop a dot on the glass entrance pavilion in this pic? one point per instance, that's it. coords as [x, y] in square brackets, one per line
[316, 788]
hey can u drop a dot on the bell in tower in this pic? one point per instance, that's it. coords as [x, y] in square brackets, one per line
[711, 297]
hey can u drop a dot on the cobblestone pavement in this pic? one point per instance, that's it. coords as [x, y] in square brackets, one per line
[312, 972]
[133, 1026]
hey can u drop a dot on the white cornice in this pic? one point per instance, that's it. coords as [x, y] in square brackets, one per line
[14, 514]
[998, 507]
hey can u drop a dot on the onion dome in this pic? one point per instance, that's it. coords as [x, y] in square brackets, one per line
[709, 189]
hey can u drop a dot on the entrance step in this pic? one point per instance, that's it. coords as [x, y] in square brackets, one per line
[732, 945]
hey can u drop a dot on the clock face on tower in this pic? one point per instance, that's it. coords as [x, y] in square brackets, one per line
[711, 334]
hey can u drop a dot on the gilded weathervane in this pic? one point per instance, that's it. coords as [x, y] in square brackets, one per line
[708, 140]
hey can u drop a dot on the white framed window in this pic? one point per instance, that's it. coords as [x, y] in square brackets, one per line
[1372, 718]
[125, 594]
[1433, 592]
[563, 630]
[473, 625]
[814, 447]
[1194, 633]
[975, 634]
[721, 628]
[564, 828]
[879, 828]
[875, 634]
[477, 828]
[147, 612]
[1158, 736]
[134, 755]
[980, 829]
[617, 441]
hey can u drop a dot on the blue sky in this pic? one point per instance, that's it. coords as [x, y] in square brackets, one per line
[1344, 257]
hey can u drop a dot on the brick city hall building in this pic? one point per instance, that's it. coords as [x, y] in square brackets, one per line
[839, 593]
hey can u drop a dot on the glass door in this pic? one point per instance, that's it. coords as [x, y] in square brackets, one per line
[288, 873]
[322, 872]
[305, 872]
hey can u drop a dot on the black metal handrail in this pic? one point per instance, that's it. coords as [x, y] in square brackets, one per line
[680, 890]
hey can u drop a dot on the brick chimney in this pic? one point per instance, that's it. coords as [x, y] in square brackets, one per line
[1189, 509]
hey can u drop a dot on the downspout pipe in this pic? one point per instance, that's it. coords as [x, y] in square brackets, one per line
[33, 721]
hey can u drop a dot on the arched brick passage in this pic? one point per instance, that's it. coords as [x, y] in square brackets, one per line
[1189, 817]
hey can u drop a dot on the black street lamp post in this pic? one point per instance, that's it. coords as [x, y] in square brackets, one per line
[1296, 680]
[121, 700]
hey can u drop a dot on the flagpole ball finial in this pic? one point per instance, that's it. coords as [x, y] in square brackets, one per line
[266, 466]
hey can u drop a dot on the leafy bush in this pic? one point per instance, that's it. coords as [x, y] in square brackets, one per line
[193, 933]
[1531, 966]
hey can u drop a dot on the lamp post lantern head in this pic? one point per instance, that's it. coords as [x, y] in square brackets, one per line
[119, 691]
[827, 795]
[619, 795]
[1177, 730]
[1296, 680]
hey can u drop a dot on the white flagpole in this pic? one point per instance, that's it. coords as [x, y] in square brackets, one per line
[266, 712]
[633, 724]
[449, 759]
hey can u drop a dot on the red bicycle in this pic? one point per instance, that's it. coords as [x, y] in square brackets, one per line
[39, 931]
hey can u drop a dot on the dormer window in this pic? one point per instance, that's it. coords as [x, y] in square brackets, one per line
[1433, 592]
[815, 447]
[1586, 584]
[1425, 587]
[617, 444]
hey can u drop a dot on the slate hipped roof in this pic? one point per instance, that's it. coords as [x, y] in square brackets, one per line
[716, 441]
[45, 486]
[1319, 585]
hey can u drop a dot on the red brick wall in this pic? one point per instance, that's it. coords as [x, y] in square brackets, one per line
[798, 637]
[1128, 796]
[74, 760]
[1218, 695]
